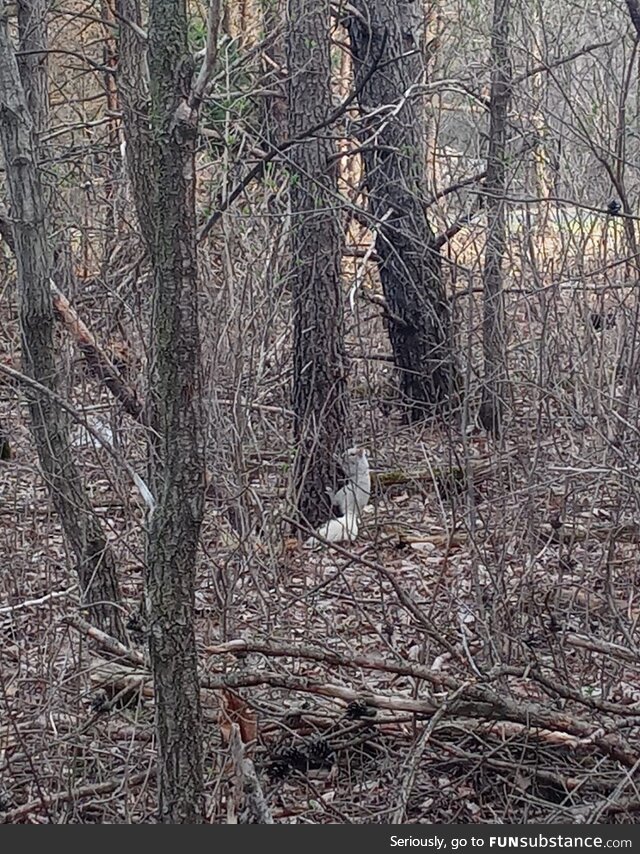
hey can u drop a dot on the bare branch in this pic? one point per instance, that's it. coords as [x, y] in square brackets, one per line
[143, 489]
[199, 89]
[97, 360]
[258, 170]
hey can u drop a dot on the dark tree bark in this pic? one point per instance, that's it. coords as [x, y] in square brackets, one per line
[392, 34]
[162, 166]
[319, 370]
[5, 447]
[113, 162]
[95, 561]
[634, 12]
[32, 62]
[274, 102]
[495, 367]
[133, 98]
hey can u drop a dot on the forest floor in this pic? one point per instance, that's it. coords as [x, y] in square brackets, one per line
[472, 657]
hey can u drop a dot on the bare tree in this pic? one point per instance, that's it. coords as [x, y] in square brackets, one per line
[163, 175]
[319, 373]
[491, 410]
[95, 560]
[393, 136]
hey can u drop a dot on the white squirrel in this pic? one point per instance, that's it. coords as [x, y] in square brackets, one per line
[336, 530]
[354, 495]
[350, 500]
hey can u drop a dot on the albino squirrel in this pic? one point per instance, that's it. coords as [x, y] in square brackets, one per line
[350, 500]
[336, 530]
[354, 495]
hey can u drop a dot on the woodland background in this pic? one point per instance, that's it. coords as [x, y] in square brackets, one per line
[473, 656]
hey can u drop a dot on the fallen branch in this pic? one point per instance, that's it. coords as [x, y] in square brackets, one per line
[256, 810]
[626, 533]
[12, 816]
[477, 700]
[99, 363]
[602, 646]
[106, 642]
[32, 603]
[474, 700]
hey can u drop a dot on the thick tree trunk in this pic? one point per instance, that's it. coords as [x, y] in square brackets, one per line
[95, 562]
[160, 154]
[495, 369]
[394, 140]
[319, 371]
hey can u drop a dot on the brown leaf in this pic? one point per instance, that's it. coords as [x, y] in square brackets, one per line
[235, 710]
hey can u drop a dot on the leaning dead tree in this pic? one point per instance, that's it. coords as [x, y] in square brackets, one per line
[319, 370]
[160, 145]
[393, 137]
[95, 560]
[495, 357]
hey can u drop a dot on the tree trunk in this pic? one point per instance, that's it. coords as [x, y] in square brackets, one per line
[634, 13]
[113, 162]
[319, 371]
[274, 101]
[391, 34]
[162, 165]
[133, 98]
[95, 561]
[5, 447]
[495, 369]
[32, 61]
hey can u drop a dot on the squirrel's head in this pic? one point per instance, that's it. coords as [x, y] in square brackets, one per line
[355, 458]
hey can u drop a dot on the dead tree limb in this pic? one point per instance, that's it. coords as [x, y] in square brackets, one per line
[97, 360]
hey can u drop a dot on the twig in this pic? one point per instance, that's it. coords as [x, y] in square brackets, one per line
[256, 809]
[97, 360]
[547, 66]
[211, 52]
[454, 228]
[362, 267]
[31, 603]
[405, 598]
[95, 66]
[107, 642]
[258, 169]
[408, 779]
[143, 489]
[14, 815]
